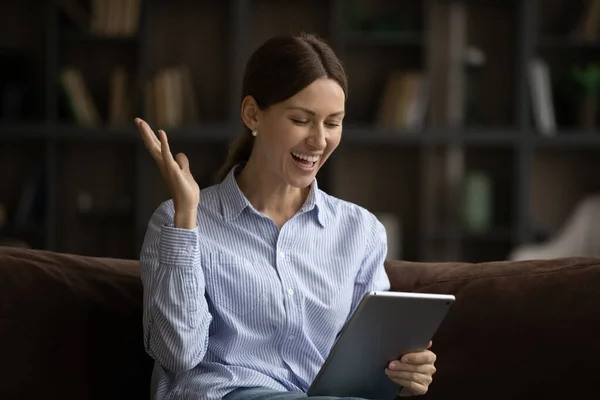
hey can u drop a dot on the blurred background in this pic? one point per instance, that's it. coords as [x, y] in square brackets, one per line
[471, 128]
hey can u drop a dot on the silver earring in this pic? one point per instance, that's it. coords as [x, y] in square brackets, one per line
[254, 132]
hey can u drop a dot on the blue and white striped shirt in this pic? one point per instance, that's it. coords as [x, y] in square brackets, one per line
[237, 302]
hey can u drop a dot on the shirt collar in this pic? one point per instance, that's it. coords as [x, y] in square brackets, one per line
[233, 201]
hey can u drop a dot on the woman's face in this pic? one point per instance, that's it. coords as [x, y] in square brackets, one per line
[296, 137]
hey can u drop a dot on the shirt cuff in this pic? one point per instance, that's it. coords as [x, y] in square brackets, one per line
[178, 247]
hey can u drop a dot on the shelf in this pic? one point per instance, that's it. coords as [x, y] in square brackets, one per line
[88, 38]
[566, 42]
[488, 136]
[384, 38]
[22, 131]
[377, 135]
[200, 133]
[96, 133]
[569, 139]
[467, 136]
[225, 132]
[214, 132]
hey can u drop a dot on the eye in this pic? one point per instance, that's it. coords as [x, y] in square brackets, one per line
[299, 121]
[333, 124]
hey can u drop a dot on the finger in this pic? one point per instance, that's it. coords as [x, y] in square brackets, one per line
[421, 379]
[183, 162]
[147, 132]
[150, 140]
[413, 387]
[429, 345]
[165, 149]
[423, 357]
[421, 368]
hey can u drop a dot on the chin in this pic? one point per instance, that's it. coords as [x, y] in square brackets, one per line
[300, 183]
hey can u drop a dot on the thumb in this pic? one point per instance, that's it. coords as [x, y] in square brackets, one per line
[183, 162]
[430, 344]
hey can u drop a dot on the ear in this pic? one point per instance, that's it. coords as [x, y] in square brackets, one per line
[250, 112]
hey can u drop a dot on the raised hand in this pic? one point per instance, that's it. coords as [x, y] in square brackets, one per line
[184, 190]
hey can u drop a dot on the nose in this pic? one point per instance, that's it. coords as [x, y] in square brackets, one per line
[316, 139]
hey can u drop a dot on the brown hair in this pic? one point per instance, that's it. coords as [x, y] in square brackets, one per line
[276, 71]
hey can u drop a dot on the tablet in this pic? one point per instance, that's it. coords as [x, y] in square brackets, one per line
[384, 326]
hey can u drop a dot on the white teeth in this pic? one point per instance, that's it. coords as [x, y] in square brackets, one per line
[305, 157]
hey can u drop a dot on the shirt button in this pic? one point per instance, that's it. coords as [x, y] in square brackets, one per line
[281, 254]
[291, 337]
[189, 249]
[291, 292]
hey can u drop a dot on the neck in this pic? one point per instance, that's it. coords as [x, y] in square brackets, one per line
[269, 195]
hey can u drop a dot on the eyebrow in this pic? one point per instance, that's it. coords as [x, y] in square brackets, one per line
[310, 112]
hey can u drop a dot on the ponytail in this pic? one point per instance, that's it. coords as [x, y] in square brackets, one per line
[239, 153]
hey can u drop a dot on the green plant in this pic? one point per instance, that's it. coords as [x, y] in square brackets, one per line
[588, 78]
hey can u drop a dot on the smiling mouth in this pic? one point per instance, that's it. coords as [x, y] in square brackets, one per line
[304, 160]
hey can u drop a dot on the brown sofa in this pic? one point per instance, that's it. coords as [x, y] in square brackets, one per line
[71, 328]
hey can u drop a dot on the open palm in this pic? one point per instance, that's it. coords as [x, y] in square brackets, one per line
[174, 170]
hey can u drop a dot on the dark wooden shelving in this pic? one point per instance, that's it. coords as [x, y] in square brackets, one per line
[569, 139]
[12, 131]
[213, 132]
[77, 37]
[98, 133]
[415, 175]
[384, 39]
[567, 42]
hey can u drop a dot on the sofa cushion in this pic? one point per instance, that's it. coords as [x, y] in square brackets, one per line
[70, 325]
[518, 330]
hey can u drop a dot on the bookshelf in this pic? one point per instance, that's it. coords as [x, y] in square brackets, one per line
[101, 187]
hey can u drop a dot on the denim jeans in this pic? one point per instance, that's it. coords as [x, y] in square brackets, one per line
[270, 394]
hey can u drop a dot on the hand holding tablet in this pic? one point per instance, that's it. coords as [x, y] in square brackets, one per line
[413, 372]
[385, 327]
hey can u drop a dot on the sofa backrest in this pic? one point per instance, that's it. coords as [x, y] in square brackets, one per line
[71, 327]
[518, 330]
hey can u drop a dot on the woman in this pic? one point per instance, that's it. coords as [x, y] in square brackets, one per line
[248, 282]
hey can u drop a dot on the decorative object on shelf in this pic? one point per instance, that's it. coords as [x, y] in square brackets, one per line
[478, 202]
[171, 98]
[404, 102]
[588, 82]
[121, 97]
[578, 237]
[540, 85]
[80, 101]
[108, 18]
